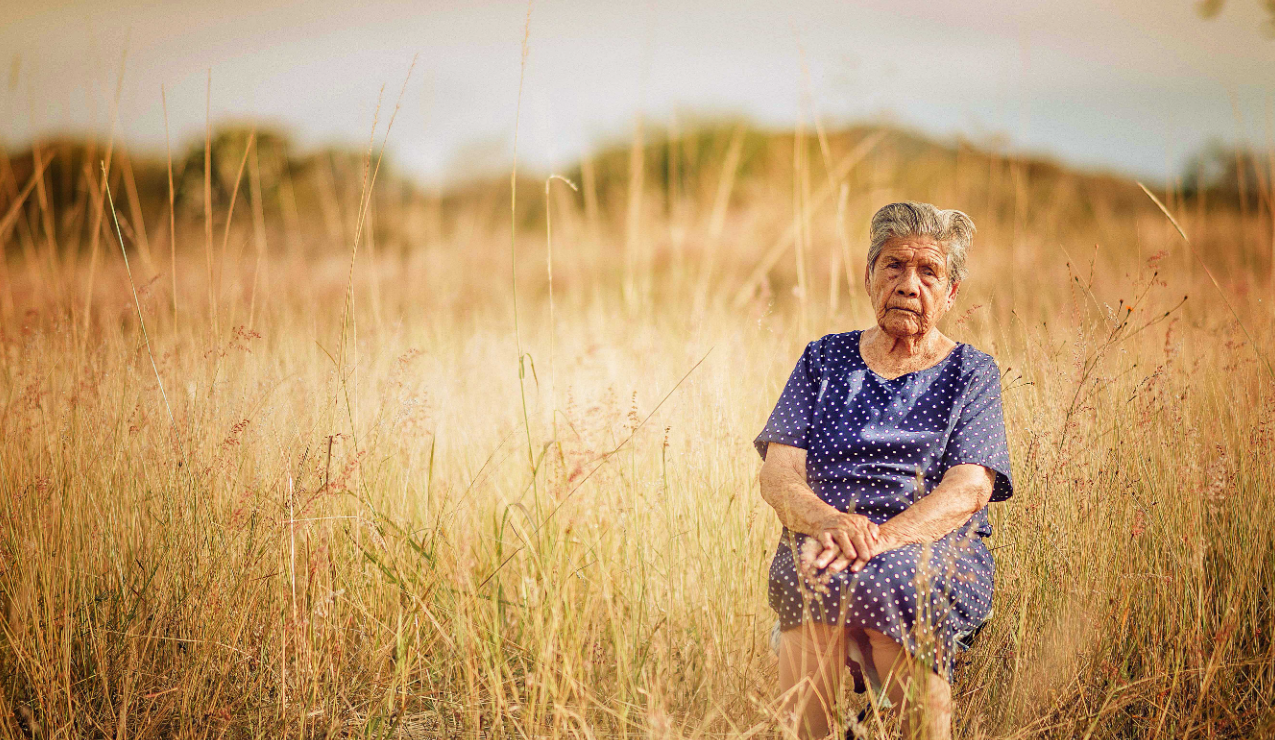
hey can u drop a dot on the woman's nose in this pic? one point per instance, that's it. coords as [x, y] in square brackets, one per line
[909, 285]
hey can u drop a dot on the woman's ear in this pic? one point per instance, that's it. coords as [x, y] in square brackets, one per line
[951, 294]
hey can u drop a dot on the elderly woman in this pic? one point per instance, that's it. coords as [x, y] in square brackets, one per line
[880, 459]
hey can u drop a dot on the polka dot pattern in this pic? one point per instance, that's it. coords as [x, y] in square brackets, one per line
[867, 439]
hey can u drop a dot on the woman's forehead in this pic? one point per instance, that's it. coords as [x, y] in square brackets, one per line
[914, 247]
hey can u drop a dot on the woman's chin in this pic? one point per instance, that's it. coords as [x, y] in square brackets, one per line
[900, 327]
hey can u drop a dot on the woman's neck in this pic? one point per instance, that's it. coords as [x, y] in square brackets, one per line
[891, 356]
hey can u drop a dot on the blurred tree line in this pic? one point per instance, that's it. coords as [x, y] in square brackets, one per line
[1212, 8]
[71, 166]
[1240, 176]
[319, 191]
[57, 184]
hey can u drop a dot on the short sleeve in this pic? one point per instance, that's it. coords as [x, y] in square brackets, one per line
[790, 421]
[978, 438]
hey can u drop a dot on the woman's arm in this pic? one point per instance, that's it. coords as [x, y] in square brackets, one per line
[846, 539]
[784, 487]
[964, 490]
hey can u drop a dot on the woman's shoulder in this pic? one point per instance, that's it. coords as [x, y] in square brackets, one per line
[973, 362]
[836, 349]
[839, 341]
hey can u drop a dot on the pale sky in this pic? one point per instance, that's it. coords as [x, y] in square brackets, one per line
[1130, 85]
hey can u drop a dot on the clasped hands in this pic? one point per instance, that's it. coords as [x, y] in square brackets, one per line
[843, 541]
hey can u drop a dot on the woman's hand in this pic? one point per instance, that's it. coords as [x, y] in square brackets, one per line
[842, 540]
[964, 490]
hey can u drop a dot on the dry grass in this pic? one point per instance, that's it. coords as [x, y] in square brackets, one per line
[345, 527]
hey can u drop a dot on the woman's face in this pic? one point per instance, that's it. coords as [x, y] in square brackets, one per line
[909, 287]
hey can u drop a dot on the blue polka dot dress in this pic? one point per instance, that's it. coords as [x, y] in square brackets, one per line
[871, 444]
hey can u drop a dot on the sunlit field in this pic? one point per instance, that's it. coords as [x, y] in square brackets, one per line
[346, 457]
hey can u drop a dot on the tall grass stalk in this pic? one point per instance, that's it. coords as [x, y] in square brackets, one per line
[553, 387]
[141, 320]
[513, 248]
[172, 205]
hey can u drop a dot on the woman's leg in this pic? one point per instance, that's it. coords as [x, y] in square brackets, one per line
[923, 697]
[812, 658]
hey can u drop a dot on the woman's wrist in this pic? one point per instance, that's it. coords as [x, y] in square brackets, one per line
[890, 537]
[824, 516]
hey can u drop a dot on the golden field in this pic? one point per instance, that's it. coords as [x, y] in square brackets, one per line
[387, 462]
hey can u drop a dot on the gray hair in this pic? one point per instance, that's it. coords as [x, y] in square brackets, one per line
[951, 228]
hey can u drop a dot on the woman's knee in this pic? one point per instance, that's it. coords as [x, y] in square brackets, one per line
[811, 651]
[812, 638]
[885, 650]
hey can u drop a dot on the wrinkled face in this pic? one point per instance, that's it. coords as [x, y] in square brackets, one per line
[909, 287]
